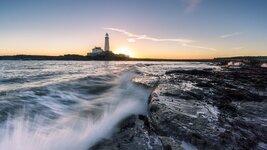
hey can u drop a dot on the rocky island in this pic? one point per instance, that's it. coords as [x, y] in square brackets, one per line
[220, 108]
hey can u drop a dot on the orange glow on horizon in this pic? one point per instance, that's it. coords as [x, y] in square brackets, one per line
[125, 51]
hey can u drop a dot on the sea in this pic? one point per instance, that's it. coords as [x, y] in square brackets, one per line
[67, 105]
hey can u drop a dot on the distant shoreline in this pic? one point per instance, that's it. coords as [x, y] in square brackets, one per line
[86, 58]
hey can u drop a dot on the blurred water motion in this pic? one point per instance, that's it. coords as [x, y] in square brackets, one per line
[69, 105]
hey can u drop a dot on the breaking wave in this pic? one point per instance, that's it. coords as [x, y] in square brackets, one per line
[69, 115]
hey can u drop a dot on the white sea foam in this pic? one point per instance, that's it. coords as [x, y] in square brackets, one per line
[19, 135]
[188, 146]
[76, 129]
[264, 65]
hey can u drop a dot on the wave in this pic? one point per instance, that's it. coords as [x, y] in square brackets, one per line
[70, 115]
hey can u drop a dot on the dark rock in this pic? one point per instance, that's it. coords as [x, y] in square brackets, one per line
[133, 135]
[191, 72]
[211, 109]
[170, 144]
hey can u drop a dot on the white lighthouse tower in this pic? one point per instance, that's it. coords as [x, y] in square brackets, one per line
[106, 42]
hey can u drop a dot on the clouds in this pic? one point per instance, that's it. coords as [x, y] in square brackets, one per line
[230, 35]
[190, 5]
[199, 47]
[132, 37]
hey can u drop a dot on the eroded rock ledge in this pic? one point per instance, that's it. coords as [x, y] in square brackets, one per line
[211, 109]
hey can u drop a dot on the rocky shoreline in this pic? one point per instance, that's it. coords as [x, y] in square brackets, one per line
[221, 108]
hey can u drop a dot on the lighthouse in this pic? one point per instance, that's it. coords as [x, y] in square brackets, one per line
[106, 42]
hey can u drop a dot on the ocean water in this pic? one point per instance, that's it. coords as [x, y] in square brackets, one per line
[52, 105]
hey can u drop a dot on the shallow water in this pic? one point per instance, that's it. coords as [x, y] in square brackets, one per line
[51, 105]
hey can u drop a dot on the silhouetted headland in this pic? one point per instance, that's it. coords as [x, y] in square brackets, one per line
[110, 56]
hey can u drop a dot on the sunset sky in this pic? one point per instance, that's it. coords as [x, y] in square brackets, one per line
[145, 28]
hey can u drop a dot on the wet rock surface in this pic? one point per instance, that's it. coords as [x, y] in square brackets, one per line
[209, 108]
[133, 134]
[212, 109]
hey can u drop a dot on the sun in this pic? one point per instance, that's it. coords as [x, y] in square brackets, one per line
[124, 51]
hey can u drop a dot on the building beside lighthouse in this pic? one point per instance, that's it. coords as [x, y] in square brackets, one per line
[99, 54]
[98, 50]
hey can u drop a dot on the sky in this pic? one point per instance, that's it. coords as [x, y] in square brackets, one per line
[175, 29]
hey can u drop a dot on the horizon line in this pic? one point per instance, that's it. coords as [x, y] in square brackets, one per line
[38, 55]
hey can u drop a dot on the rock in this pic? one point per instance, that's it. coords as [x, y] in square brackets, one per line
[183, 116]
[133, 134]
[191, 72]
[170, 144]
[211, 109]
